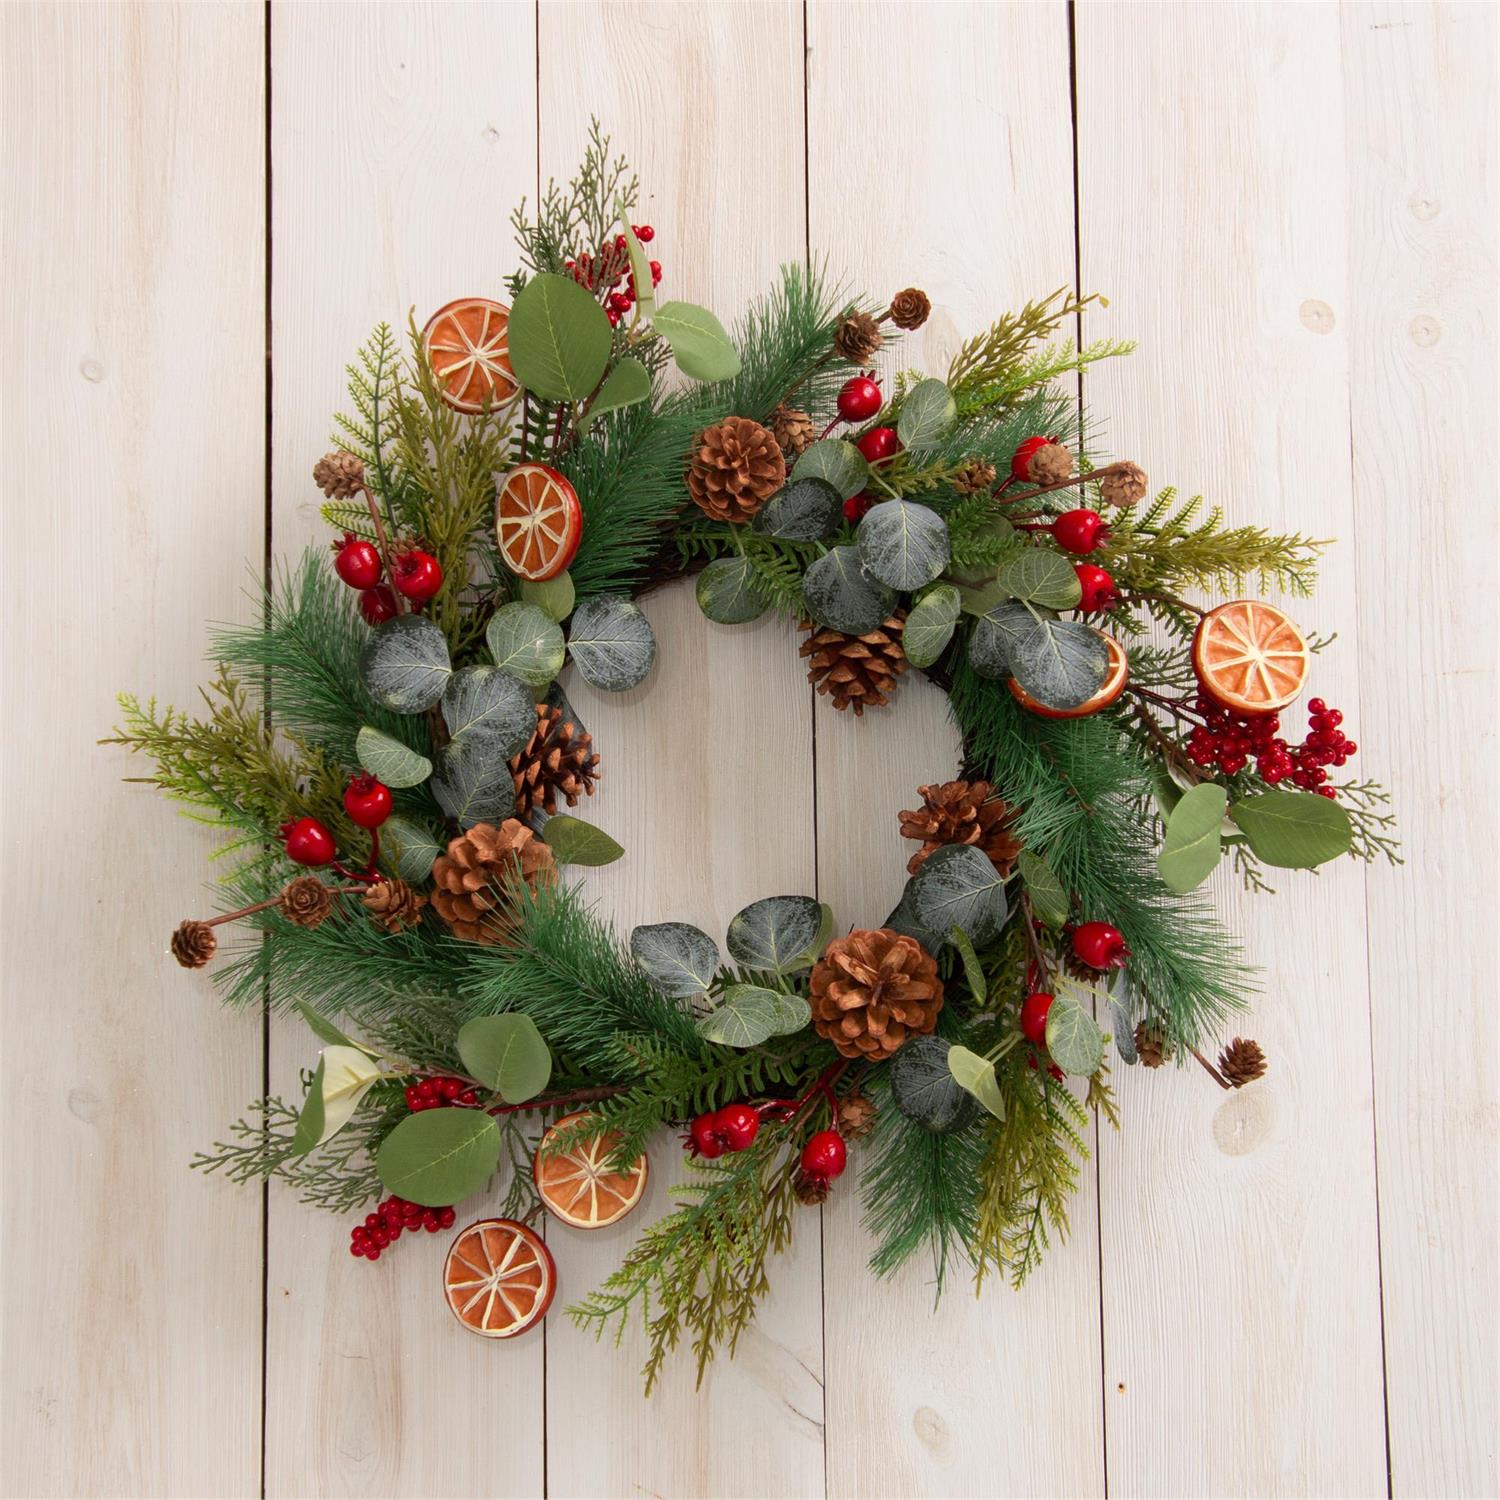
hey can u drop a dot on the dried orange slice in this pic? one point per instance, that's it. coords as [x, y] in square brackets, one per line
[1116, 675]
[1249, 657]
[499, 1278]
[579, 1187]
[538, 522]
[468, 345]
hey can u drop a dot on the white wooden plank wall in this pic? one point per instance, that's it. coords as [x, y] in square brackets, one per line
[1281, 1292]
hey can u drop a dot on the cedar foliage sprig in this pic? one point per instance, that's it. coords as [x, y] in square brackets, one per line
[1001, 351]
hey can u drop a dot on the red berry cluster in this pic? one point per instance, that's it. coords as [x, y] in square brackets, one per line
[610, 268]
[433, 1093]
[417, 573]
[1229, 740]
[732, 1128]
[391, 1216]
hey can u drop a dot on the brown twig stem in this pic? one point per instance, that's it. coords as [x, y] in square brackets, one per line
[1061, 484]
[250, 911]
[1212, 1071]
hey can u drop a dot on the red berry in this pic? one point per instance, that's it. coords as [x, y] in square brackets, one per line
[378, 604]
[356, 562]
[856, 506]
[419, 575]
[373, 1253]
[655, 272]
[737, 1125]
[1056, 1072]
[413, 1097]
[859, 399]
[1098, 588]
[825, 1155]
[1077, 530]
[645, 233]
[703, 1138]
[1034, 1009]
[367, 801]
[307, 842]
[879, 444]
[452, 1088]
[446, 1217]
[1100, 946]
[1020, 462]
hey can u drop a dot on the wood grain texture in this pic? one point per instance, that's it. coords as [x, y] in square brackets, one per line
[133, 436]
[934, 187]
[1239, 1230]
[1421, 126]
[399, 147]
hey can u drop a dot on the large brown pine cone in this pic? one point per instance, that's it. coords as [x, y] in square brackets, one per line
[1242, 1062]
[558, 760]
[873, 990]
[857, 671]
[736, 467]
[472, 879]
[962, 812]
[793, 429]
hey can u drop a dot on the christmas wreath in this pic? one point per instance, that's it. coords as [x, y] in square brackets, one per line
[505, 486]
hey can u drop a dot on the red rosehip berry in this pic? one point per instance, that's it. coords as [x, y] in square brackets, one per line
[859, 399]
[879, 444]
[378, 603]
[307, 842]
[1100, 946]
[702, 1138]
[1034, 1010]
[737, 1125]
[356, 561]
[1075, 530]
[419, 575]
[1020, 463]
[825, 1155]
[856, 506]
[1097, 586]
[367, 801]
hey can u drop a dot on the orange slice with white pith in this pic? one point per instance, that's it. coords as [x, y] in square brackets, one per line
[538, 522]
[499, 1278]
[579, 1186]
[1249, 657]
[468, 345]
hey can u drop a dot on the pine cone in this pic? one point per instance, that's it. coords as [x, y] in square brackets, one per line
[859, 671]
[793, 430]
[1150, 1045]
[393, 904]
[962, 812]
[909, 309]
[873, 990]
[1124, 485]
[810, 1190]
[856, 1118]
[857, 338]
[305, 901]
[737, 467]
[1050, 464]
[193, 944]
[974, 477]
[1242, 1062]
[339, 475]
[471, 878]
[558, 760]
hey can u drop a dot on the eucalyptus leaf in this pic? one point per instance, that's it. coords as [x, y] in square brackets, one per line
[699, 343]
[575, 842]
[805, 510]
[612, 643]
[439, 1156]
[776, 933]
[973, 969]
[413, 847]
[1049, 900]
[1074, 1041]
[321, 1027]
[997, 635]
[1193, 844]
[678, 958]
[930, 624]
[928, 415]
[507, 1054]
[489, 706]
[842, 595]
[1042, 577]
[559, 338]
[727, 592]
[628, 384]
[404, 665]
[527, 642]
[388, 760]
[748, 1015]
[1124, 1030]
[924, 1088]
[976, 1075]
[904, 920]
[903, 544]
[1293, 830]
[836, 461]
[553, 596]
[957, 886]
[980, 599]
[473, 783]
[309, 1128]
[1062, 664]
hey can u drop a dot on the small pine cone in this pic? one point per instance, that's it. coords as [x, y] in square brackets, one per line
[393, 905]
[962, 812]
[793, 430]
[909, 309]
[1150, 1045]
[473, 877]
[339, 475]
[810, 1190]
[735, 469]
[558, 760]
[1124, 485]
[1050, 464]
[193, 944]
[1242, 1062]
[305, 901]
[857, 671]
[857, 339]
[856, 1116]
[872, 990]
[974, 477]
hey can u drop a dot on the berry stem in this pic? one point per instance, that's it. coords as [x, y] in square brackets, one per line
[1062, 484]
[384, 543]
[1038, 957]
[1168, 599]
[249, 911]
[578, 1096]
[1209, 1068]
[1170, 751]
